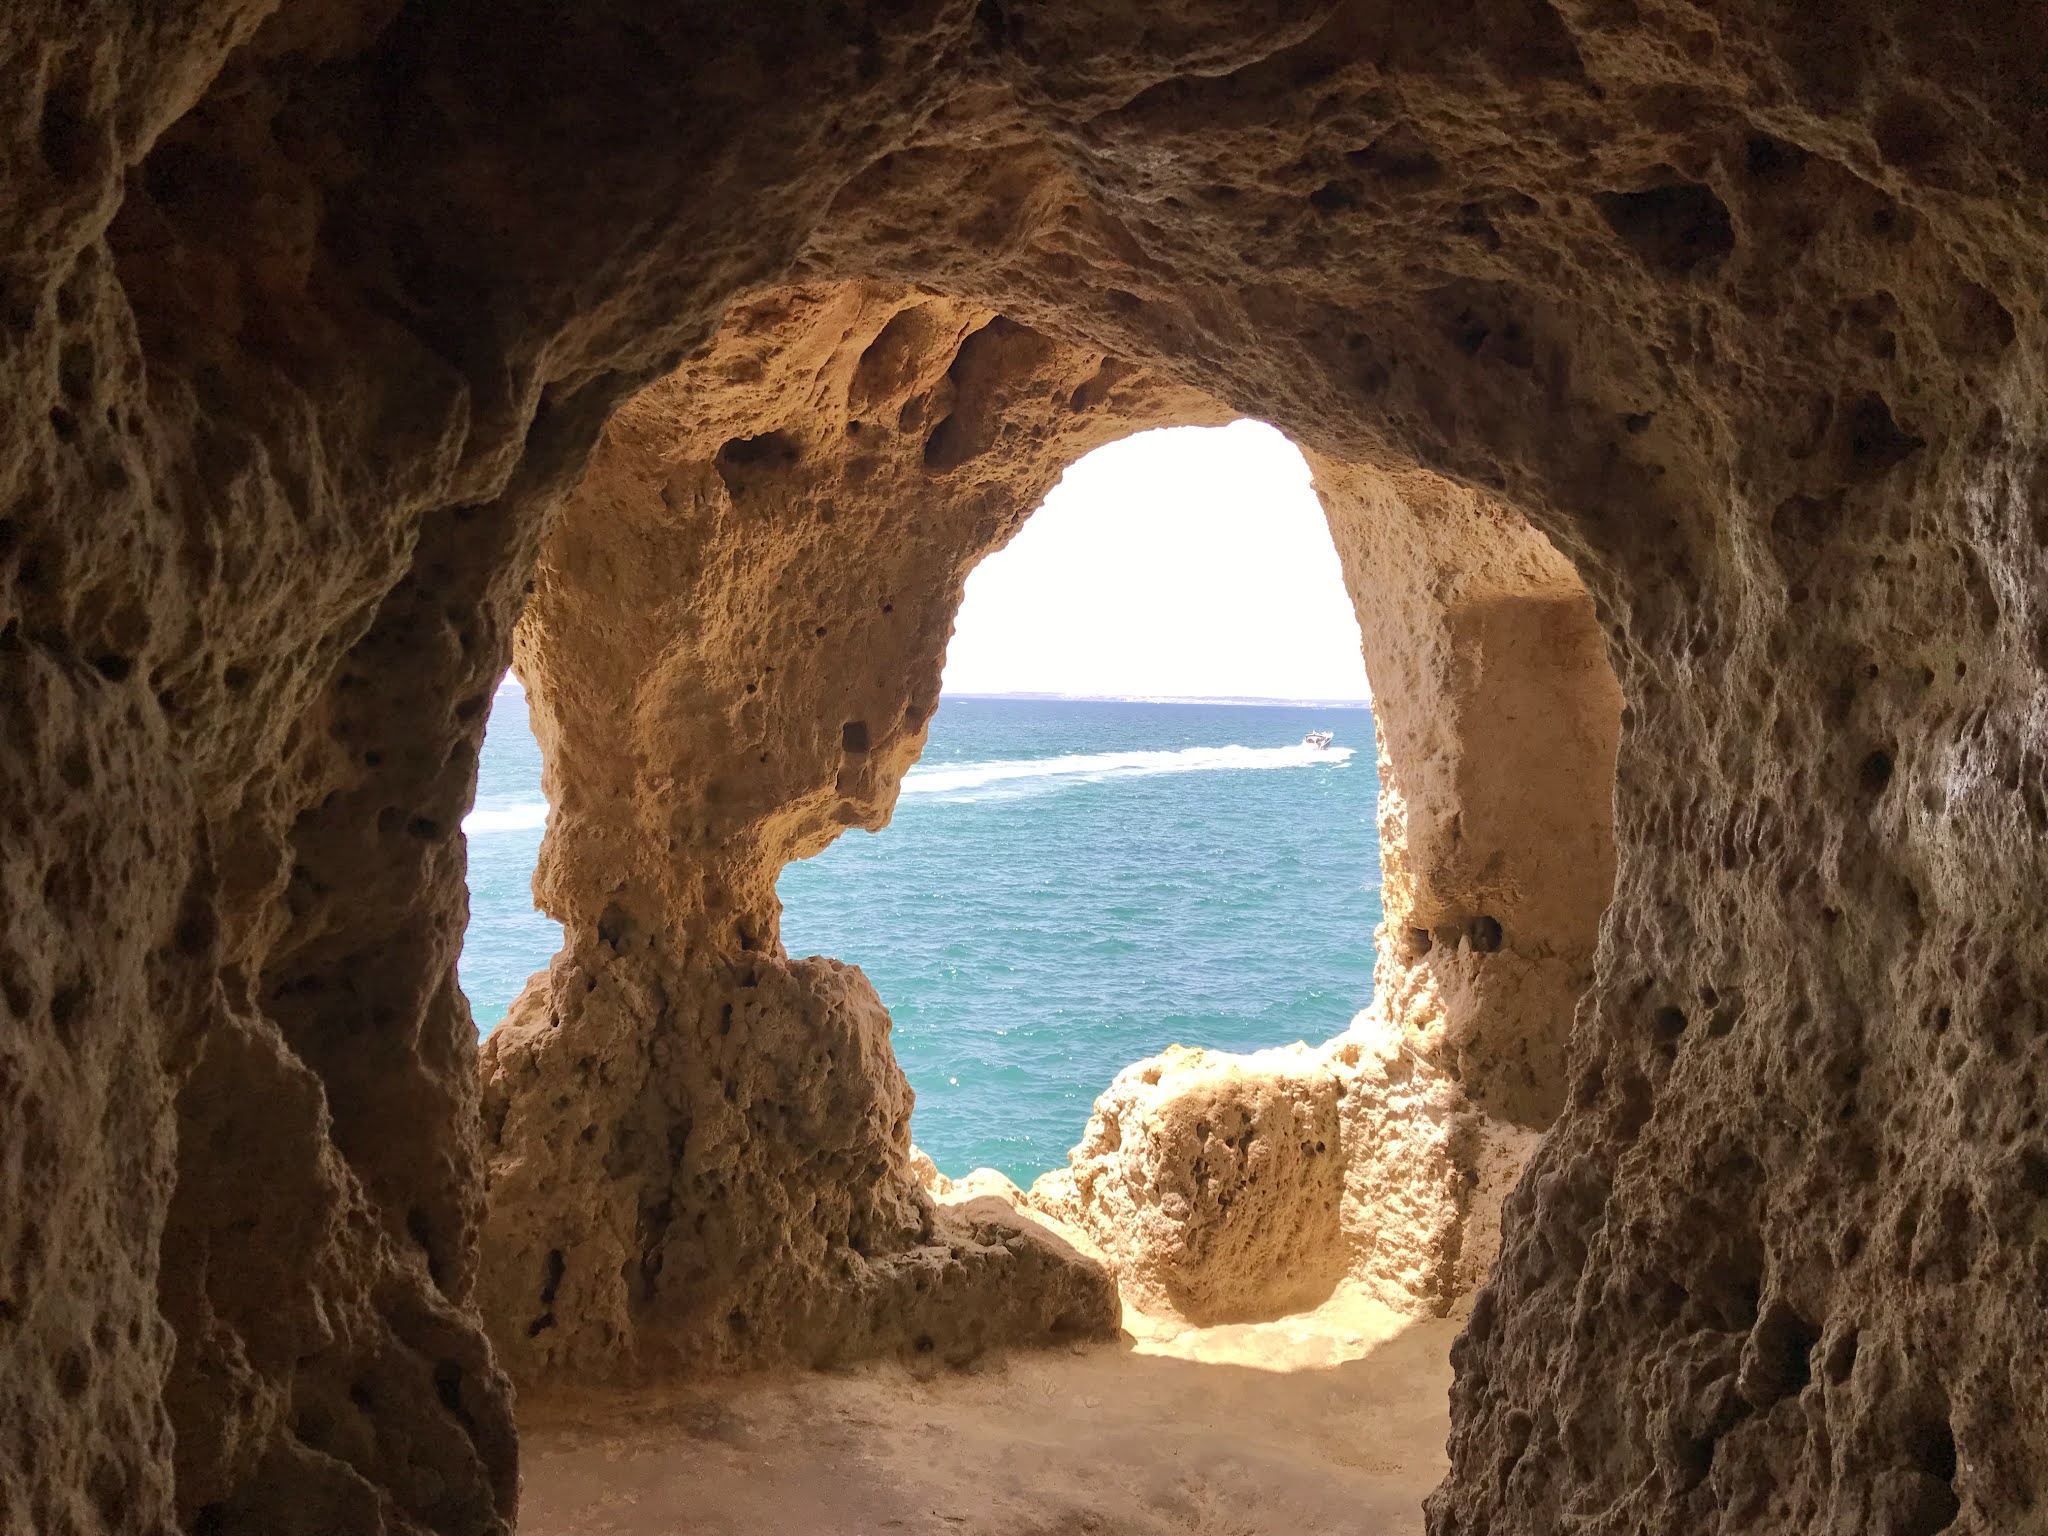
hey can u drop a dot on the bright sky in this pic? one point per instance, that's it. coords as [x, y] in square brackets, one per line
[1188, 563]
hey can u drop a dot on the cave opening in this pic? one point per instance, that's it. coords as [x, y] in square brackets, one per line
[314, 317]
[507, 938]
[1118, 837]
[699, 1138]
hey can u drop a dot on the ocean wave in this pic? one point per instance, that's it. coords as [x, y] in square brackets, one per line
[524, 816]
[1100, 767]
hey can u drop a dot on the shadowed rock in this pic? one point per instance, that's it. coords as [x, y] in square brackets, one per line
[311, 318]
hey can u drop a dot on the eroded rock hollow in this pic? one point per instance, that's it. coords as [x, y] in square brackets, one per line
[1704, 346]
[699, 1148]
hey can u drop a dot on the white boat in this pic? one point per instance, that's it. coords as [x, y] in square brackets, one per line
[1317, 739]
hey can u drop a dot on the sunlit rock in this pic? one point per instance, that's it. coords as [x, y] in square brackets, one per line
[316, 326]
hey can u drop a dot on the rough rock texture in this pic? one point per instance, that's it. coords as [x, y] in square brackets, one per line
[700, 1149]
[1225, 1188]
[1213, 1183]
[308, 317]
[1496, 716]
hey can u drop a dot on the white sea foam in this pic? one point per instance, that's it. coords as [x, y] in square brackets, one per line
[1008, 775]
[1097, 767]
[523, 816]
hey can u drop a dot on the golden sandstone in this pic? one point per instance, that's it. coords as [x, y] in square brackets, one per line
[1672, 376]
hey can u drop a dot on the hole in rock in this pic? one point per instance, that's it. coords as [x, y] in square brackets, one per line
[1118, 837]
[508, 938]
[1876, 441]
[1124, 918]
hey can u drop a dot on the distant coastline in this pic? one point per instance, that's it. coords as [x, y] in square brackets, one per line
[1250, 701]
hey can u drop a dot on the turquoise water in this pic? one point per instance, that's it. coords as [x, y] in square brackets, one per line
[506, 941]
[1067, 886]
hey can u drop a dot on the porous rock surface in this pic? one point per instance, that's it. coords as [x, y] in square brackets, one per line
[1237, 1188]
[1213, 1185]
[310, 318]
[699, 1148]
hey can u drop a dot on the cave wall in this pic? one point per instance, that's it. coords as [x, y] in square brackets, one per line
[278, 443]
[699, 1146]
[309, 317]
[1496, 713]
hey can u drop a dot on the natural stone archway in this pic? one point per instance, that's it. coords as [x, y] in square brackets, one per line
[309, 318]
[700, 1147]
[1201, 1174]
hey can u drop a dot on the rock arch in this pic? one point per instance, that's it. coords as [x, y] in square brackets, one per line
[700, 1147]
[305, 332]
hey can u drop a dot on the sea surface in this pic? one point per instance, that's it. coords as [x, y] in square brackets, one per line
[1067, 886]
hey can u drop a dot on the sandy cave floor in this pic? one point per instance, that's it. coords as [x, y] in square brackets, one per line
[1329, 1422]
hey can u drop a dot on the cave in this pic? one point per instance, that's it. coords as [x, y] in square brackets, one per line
[1121, 832]
[1682, 370]
[1301, 1208]
[697, 1147]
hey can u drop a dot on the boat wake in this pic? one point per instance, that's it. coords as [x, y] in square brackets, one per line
[1007, 777]
[1019, 775]
[521, 816]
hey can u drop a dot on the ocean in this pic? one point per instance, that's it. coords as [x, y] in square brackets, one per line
[1067, 886]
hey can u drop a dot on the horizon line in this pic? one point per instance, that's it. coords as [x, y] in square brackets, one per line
[1156, 698]
[511, 679]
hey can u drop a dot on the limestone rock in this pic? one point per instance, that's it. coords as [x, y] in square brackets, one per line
[1232, 1188]
[699, 1149]
[972, 1185]
[1407, 1135]
[765, 1207]
[312, 318]
[1213, 1183]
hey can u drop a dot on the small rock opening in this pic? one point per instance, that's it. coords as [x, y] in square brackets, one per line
[508, 937]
